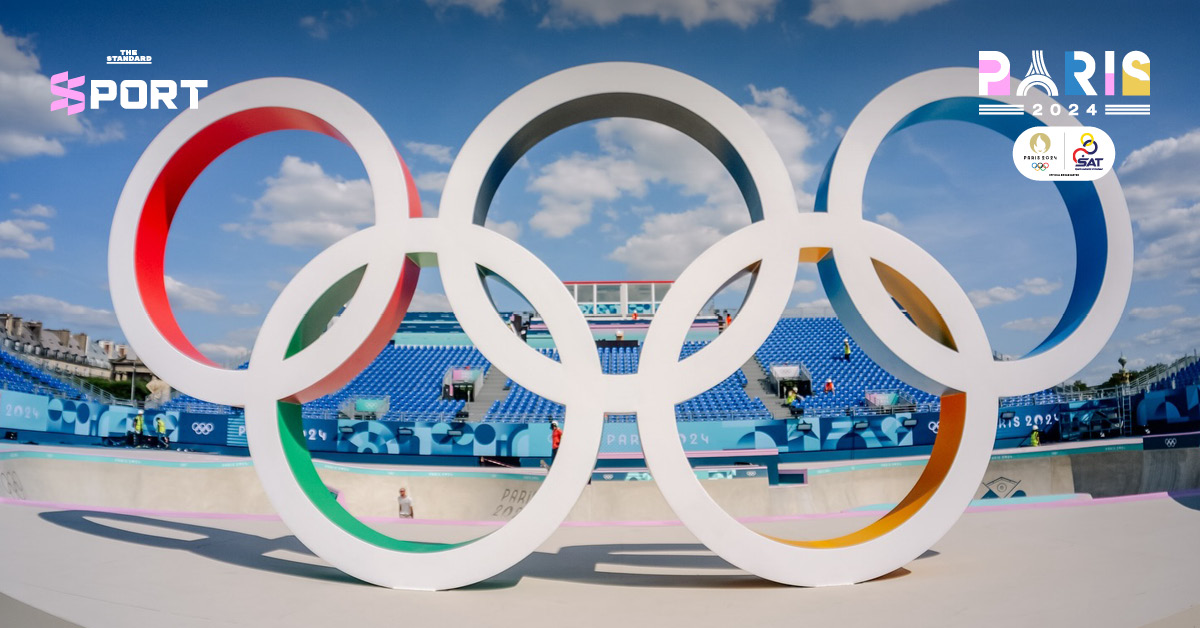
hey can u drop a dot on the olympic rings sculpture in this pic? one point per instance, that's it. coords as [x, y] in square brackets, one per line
[373, 272]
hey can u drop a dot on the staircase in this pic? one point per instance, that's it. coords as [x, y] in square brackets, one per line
[757, 386]
[490, 391]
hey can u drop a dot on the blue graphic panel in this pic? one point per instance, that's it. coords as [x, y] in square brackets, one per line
[701, 436]
[203, 429]
[22, 411]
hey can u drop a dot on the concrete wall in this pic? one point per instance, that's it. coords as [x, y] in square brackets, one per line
[497, 497]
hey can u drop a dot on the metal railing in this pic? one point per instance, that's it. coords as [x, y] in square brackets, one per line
[1163, 371]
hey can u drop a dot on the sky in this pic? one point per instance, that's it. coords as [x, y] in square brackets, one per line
[613, 199]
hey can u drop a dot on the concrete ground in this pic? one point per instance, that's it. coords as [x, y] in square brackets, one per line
[1107, 562]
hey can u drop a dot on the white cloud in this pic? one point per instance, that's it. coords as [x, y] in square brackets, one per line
[992, 296]
[1180, 332]
[889, 220]
[1031, 324]
[232, 348]
[1004, 294]
[196, 299]
[781, 117]
[486, 8]
[223, 352]
[36, 211]
[1040, 286]
[431, 181]
[1160, 184]
[1147, 313]
[1169, 242]
[508, 228]
[57, 311]
[689, 13]
[244, 309]
[304, 206]
[635, 154]
[1160, 175]
[27, 126]
[20, 236]
[321, 25]
[192, 298]
[315, 27]
[807, 309]
[571, 186]
[668, 242]
[830, 13]
[440, 154]
[429, 302]
[803, 286]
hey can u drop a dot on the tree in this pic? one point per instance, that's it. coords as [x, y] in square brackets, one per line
[1118, 378]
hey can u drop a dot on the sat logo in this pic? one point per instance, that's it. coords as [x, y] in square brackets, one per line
[1078, 69]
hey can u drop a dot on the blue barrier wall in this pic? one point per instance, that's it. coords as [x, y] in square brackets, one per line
[88, 420]
[700, 436]
[1181, 405]
[37, 413]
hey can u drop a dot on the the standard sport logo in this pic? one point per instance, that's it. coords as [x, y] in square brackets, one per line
[1079, 69]
[132, 94]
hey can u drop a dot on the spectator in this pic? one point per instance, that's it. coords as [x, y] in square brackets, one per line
[555, 439]
[846, 348]
[405, 503]
[160, 428]
[131, 434]
[139, 424]
[829, 385]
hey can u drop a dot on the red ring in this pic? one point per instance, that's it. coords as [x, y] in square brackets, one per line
[181, 171]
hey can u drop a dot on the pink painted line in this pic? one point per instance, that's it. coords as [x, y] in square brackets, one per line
[715, 453]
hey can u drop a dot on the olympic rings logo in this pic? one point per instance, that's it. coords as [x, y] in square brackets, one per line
[1087, 140]
[1040, 166]
[373, 273]
[203, 429]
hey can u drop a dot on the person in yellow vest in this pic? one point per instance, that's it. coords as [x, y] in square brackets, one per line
[160, 427]
[139, 424]
[846, 348]
[1035, 437]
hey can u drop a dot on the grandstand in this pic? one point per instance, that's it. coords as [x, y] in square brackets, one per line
[410, 378]
[816, 344]
[22, 376]
[1183, 372]
[725, 401]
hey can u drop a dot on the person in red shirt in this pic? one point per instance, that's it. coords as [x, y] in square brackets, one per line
[555, 439]
[829, 385]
